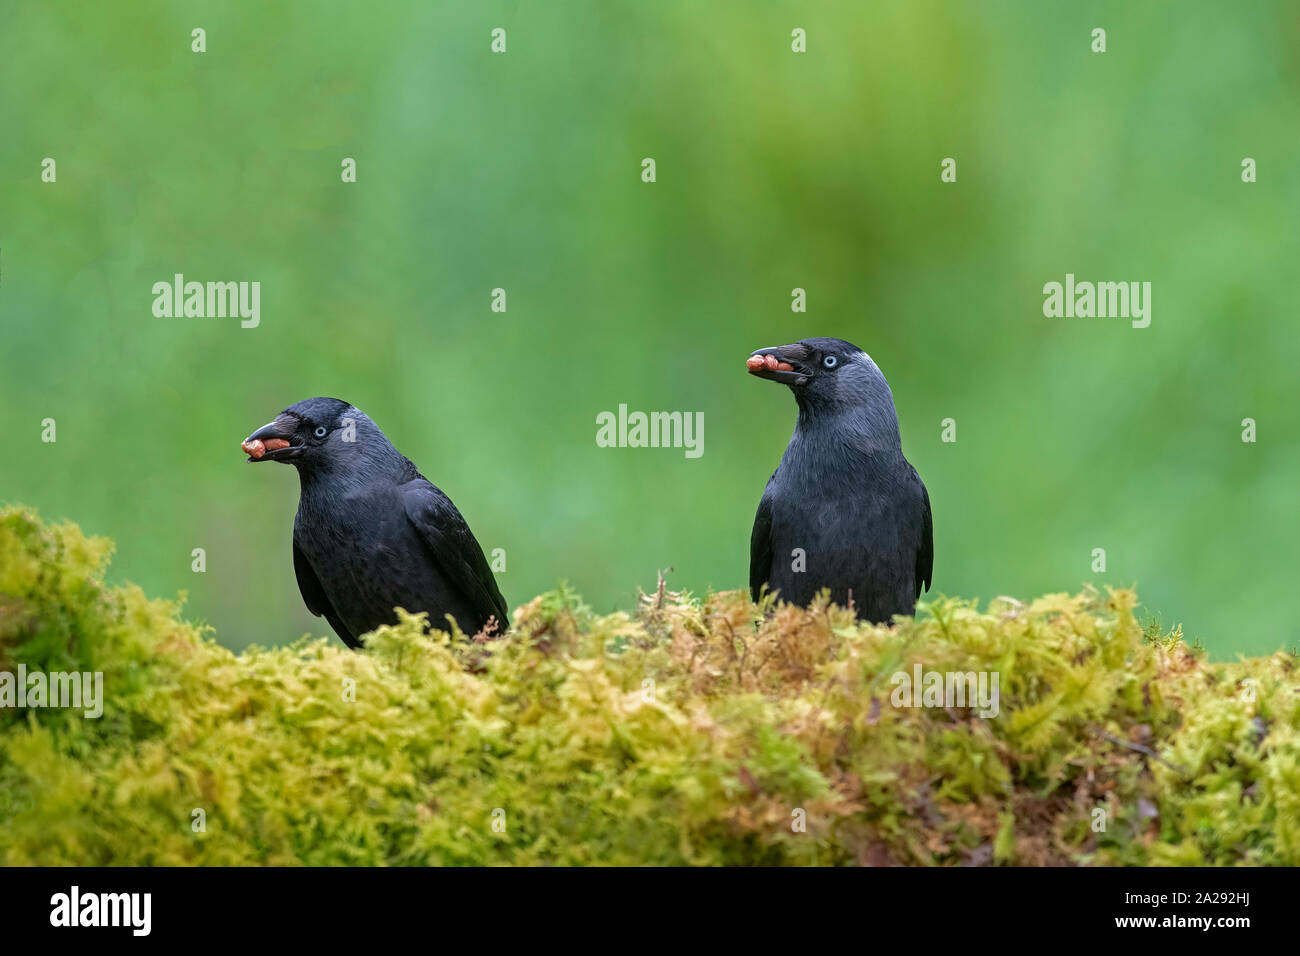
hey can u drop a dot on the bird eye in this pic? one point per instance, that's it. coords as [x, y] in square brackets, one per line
[320, 431]
[830, 361]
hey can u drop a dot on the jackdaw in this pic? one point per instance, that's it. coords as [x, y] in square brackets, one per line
[844, 510]
[371, 532]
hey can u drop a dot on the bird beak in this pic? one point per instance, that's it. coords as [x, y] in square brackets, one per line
[782, 363]
[273, 441]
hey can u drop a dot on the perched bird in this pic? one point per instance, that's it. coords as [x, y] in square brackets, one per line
[844, 509]
[371, 532]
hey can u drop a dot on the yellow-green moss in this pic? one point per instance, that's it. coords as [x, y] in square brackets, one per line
[685, 732]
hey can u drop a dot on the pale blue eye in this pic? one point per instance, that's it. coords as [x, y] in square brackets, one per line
[320, 431]
[830, 361]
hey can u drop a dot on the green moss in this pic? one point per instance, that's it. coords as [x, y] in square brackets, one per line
[688, 731]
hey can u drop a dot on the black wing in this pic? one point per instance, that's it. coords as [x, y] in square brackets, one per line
[454, 549]
[760, 546]
[313, 595]
[925, 554]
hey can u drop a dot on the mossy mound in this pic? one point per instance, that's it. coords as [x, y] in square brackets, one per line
[700, 732]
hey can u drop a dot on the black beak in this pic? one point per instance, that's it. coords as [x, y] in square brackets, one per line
[797, 374]
[279, 435]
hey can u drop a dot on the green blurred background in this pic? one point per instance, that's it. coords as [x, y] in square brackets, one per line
[776, 170]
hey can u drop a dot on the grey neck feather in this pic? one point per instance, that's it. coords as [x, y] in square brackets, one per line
[370, 458]
[856, 410]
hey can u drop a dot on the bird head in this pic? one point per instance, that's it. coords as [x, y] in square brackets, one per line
[838, 387]
[824, 374]
[318, 434]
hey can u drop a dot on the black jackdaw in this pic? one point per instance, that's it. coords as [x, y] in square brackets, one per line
[844, 510]
[371, 532]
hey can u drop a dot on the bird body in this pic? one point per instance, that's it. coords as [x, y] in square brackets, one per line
[371, 532]
[844, 510]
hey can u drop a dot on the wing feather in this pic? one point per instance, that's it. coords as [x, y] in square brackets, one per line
[760, 546]
[454, 549]
[313, 595]
[925, 554]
